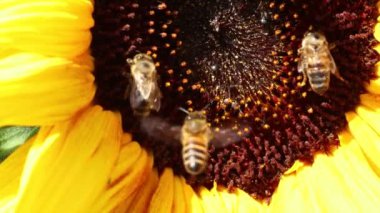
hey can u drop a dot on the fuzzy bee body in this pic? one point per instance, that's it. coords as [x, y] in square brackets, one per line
[195, 135]
[144, 92]
[195, 138]
[316, 62]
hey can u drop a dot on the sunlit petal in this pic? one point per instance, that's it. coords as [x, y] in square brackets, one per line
[50, 27]
[43, 90]
[67, 169]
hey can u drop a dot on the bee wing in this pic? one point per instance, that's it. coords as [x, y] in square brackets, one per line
[225, 137]
[159, 129]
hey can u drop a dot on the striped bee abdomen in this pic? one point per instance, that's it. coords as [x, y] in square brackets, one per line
[319, 78]
[195, 156]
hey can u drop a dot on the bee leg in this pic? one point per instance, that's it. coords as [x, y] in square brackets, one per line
[337, 74]
[304, 78]
[332, 45]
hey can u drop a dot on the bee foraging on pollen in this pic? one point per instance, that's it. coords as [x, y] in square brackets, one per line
[195, 135]
[316, 62]
[144, 92]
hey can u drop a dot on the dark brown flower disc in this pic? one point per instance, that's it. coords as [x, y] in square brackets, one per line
[237, 61]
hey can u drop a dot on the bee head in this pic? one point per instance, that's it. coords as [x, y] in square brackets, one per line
[314, 40]
[195, 122]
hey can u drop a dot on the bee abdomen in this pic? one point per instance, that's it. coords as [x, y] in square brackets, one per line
[319, 80]
[194, 157]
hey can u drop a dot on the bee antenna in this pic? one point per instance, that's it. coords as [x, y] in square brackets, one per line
[183, 110]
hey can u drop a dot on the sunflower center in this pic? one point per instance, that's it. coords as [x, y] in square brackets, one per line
[237, 61]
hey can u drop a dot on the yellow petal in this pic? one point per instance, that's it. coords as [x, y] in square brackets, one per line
[247, 204]
[49, 27]
[289, 196]
[66, 170]
[367, 139]
[38, 90]
[211, 200]
[122, 188]
[144, 195]
[193, 202]
[332, 193]
[229, 199]
[179, 204]
[162, 200]
[371, 101]
[11, 169]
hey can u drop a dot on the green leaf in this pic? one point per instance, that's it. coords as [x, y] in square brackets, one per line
[12, 137]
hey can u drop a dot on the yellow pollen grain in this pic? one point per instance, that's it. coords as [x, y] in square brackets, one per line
[154, 55]
[295, 15]
[185, 81]
[151, 30]
[190, 109]
[188, 72]
[149, 52]
[275, 115]
[164, 26]
[167, 84]
[286, 116]
[157, 64]
[283, 37]
[282, 6]
[135, 5]
[286, 63]
[266, 126]
[167, 45]
[290, 52]
[154, 48]
[202, 90]
[276, 16]
[173, 52]
[304, 94]
[162, 6]
[170, 72]
[189, 102]
[290, 106]
[174, 35]
[246, 129]
[287, 24]
[183, 64]
[257, 119]
[151, 12]
[271, 5]
[310, 110]
[293, 37]
[151, 23]
[293, 91]
[163, 35]
[180, 89]
[276, 62]
[277, 32]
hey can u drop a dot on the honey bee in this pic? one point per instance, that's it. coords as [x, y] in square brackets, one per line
[316, 62]
[144, 92]
[195, 136]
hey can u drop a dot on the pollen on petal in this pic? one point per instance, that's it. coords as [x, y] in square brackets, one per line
[50, 27]
[71, 157]
[39, 90]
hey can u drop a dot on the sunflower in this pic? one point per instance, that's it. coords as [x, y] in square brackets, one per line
[62, 68]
